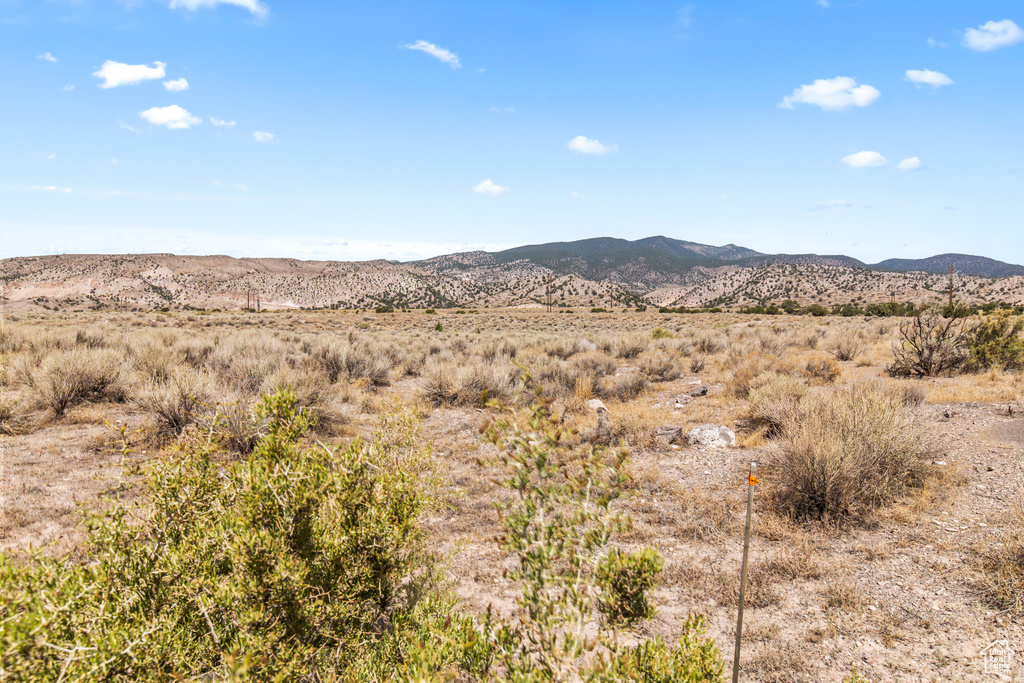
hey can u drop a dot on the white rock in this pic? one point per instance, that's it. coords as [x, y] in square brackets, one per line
[711, 436]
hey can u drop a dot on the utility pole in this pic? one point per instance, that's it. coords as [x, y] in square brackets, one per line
[951, 285]
[893, 289]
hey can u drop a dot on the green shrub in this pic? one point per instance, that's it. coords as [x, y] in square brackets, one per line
[626, 579]
[288, 565]
[997, 342]
[557, 521]
[695, 659]
[660, 333]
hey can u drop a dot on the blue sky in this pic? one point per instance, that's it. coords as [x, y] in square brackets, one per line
[402, 130]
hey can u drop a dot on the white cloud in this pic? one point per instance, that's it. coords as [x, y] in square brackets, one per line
[935, 43]
[176, 86]
[68, 87]
[585, 145]
[47, 57]
[488, 187]
[444, 55]
[262, 136]
[115, 73]
[578, 195]
[928, 77]
[508, 110]
[911, 164]
[865, 159]
[50, 188]
[832, 94]
[993, 35]
[221, 123]
[51, 156]
[254, 6]
[823, 3]
[174, 117]
[836, 204]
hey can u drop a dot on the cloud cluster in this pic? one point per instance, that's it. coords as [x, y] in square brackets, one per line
[488, 187]
[172, 117]
[444, 55]
[585, 145]
[262, 136]
[47, 57]
[832, 94]
[116, 74]
[222, 123]
[177, 85]
[911, 164]
[865, 159]
[928, 77]
[255, 6]
[993, 35]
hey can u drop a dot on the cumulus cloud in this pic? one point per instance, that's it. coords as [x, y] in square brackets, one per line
[444, 55]
[176, 86]
[254, 6]
[911, 164]
[835, 204]
[262, 136]
[993, 35]
[47, 57]
[488, 187]
[221, 123]
[865, 159]
[115, 74]
[585, 145]
[928, 77]
[173, 117]
[832, 94]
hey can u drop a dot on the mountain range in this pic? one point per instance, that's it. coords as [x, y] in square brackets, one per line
[600, 271]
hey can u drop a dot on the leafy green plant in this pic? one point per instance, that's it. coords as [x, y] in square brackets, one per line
[625, 580]
[558, 522]
[997, 342]
[288, 565]
[695, 659]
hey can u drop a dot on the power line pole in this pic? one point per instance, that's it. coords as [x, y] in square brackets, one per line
[951, 285]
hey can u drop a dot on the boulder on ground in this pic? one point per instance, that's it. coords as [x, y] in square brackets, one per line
[711, 436]
[667, 434]
[597, 405]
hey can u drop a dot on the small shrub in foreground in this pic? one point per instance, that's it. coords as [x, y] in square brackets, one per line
[626, 579]
[997, 342]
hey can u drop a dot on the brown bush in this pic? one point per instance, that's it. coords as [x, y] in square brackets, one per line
[67, 378]
[844, 453]
[178, 401]
[823, 370]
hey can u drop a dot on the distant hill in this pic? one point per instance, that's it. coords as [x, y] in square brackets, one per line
[965, 264]
[587, 273]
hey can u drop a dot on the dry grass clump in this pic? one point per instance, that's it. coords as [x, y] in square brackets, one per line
[847, 346]
[1003, 567]
[659, 368]
[471, 384]
[12, 421]
[67, 378]
[708, 344]
[630, 346]
[841, 454]
[773, 399]
[177, 401]
[823, 370]
[747, 368]
[313, 394]
[499, 349]
[564, 348]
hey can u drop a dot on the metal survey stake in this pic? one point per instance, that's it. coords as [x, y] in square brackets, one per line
[752, 482]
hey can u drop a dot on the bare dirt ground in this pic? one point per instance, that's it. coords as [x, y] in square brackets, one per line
[897, 599]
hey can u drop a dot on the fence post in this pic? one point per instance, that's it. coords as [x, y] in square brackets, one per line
[752, 481]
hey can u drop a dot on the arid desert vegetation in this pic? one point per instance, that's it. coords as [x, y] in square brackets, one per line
[500, 494]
